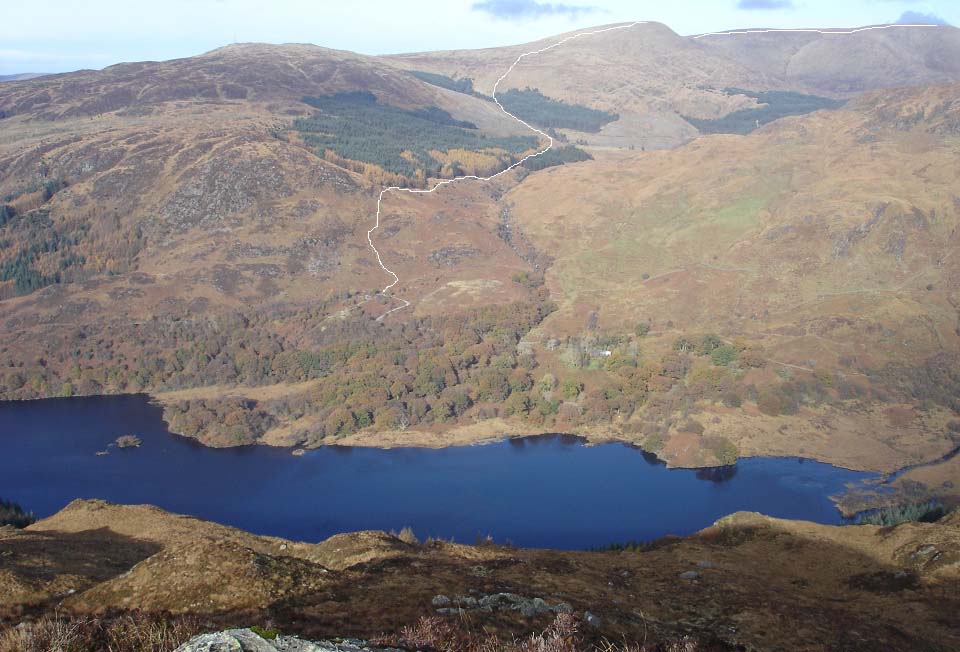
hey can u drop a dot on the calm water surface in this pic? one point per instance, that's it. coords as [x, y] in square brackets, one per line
[549, 491]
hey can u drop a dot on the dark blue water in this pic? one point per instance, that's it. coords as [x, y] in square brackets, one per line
[543, 491]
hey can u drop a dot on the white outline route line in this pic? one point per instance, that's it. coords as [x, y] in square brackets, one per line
[493, 95]
[439, 184]
[826, 32]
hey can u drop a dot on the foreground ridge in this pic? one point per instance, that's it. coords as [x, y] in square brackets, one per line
[111, 569]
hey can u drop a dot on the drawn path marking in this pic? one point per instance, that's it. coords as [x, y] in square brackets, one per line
[396, 279]
[440, 184]
[826, 32]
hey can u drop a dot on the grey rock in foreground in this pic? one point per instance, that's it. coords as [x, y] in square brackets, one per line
[591, 620]
[529, 607]
[245, 640]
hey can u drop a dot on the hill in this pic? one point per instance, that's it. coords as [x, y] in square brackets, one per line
[650, 76]
[20, 76]
[846, 63]
[816, 240]
[732, 586]
[197, 229]
[646, 74]
[275, 75]
[99, 168]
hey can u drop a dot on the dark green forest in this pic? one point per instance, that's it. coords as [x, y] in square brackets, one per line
[557, 156]
[12, 514]
[42, 246]
[35, 237]
[532, 106]
[464, 85]
[358, 127]
[7, 213]
[776, 105]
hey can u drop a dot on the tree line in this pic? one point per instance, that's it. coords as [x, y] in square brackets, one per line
[530, 105]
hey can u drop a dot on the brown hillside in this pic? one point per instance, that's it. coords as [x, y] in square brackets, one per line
[641, 68]
[274, 77]
[651, 75]
[828, 241]
[847, 63]
[757, 582]
[178, 174]
[646, 73]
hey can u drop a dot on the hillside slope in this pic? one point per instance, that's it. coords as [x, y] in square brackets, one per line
[824, 245]
[189, 170]
[788, 292]
[847, 63]
[748, 581]
[276, 77]
[651, 76]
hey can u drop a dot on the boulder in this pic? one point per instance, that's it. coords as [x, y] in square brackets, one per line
[245, 640]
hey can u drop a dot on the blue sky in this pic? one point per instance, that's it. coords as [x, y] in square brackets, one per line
[59, 35]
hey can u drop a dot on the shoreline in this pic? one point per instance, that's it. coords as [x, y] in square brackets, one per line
[497, 430]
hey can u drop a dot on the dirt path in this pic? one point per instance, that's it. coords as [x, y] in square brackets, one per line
[440, 184]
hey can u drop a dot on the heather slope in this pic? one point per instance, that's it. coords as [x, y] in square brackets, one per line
[847, 63]
[821, 246]
[745, 577]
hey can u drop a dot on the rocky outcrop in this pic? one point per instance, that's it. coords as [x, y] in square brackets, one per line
[246, 640]
[528, 607]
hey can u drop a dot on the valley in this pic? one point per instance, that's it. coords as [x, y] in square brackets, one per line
[198, 237]
[667, 326]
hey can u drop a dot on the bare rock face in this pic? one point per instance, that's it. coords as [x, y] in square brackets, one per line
[246, 640]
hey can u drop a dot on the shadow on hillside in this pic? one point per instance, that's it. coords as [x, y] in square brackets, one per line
[38, 557]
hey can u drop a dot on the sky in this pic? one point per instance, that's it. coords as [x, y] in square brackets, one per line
[62, 35]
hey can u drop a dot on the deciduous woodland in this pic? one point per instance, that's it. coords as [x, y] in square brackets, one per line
[446, 370]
